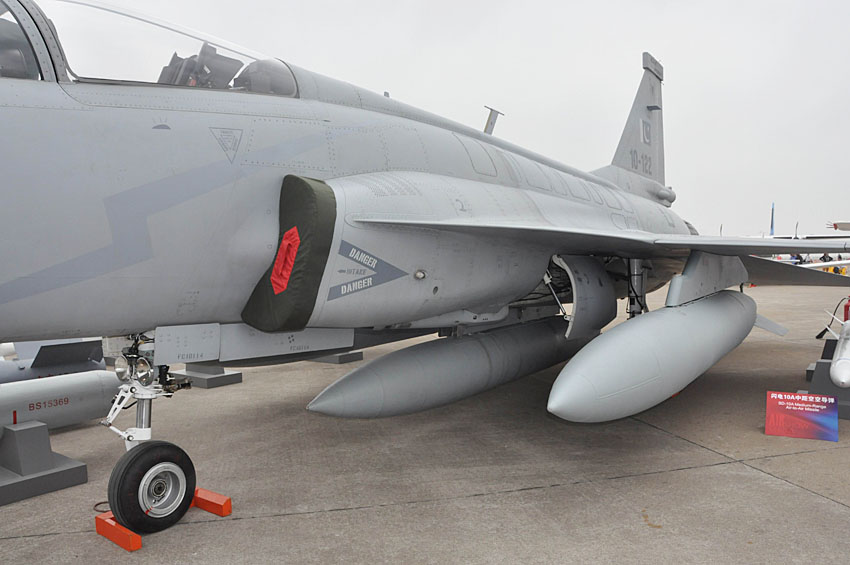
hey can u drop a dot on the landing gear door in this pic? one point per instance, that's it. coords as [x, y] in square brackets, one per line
[594, 299]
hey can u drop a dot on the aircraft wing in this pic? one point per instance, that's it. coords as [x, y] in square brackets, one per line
[625, 243]
[825, 265]
[749, 245]
[770, 272]
[811, 236]
[575, 241]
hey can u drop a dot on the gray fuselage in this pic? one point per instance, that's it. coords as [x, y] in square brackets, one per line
[136, 206]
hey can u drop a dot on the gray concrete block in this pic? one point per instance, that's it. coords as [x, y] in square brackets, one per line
[828, 348]
[810, 371]
[28, 467]
[340, 358]
[208, 378]
[205, 368]
[65, 473]
[25, 448]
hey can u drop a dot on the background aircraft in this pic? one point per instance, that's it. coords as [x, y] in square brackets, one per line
[247, 209]
[834, 264]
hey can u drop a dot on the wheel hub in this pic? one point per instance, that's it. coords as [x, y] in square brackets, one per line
[162, 489]
[159, 487]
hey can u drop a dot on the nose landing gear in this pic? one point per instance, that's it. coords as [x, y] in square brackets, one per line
[153, 484]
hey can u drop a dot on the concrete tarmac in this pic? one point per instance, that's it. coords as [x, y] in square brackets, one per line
[491, 479]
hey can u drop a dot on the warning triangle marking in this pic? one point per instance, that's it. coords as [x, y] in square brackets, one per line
[229, 140]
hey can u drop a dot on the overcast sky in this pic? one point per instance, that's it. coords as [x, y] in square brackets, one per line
[756, 96]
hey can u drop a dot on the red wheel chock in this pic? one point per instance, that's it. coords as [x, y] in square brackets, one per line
[105, 524]
[212, 502]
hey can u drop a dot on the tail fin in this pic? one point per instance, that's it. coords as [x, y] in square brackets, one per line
[772, 204]
[641, 148]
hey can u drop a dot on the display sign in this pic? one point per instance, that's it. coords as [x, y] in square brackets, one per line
[803, 415]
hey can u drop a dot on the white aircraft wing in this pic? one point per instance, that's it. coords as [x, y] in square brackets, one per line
[825, 265]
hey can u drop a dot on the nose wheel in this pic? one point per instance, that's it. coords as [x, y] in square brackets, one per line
[151, 486]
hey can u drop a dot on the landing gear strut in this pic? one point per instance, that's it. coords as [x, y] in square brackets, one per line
[152, 485]
[637, 287]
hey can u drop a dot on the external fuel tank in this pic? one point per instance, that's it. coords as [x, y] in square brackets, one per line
[442, 371]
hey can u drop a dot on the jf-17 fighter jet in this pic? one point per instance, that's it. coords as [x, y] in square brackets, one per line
[220, 205]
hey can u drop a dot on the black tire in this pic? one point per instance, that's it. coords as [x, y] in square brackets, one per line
[151, 472]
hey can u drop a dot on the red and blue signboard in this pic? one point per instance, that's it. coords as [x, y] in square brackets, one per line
[803, 415]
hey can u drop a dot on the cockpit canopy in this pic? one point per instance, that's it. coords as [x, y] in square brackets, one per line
[17, 59]
[210, 69]
[103, 43]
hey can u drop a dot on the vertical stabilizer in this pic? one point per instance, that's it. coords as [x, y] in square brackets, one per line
[772, 204]
[641, 147]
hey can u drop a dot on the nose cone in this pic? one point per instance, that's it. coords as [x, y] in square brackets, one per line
[839, 373]
[325, 403]
[353, 396]
[574, 398]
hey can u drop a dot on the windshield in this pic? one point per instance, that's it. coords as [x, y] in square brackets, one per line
[103, 42]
